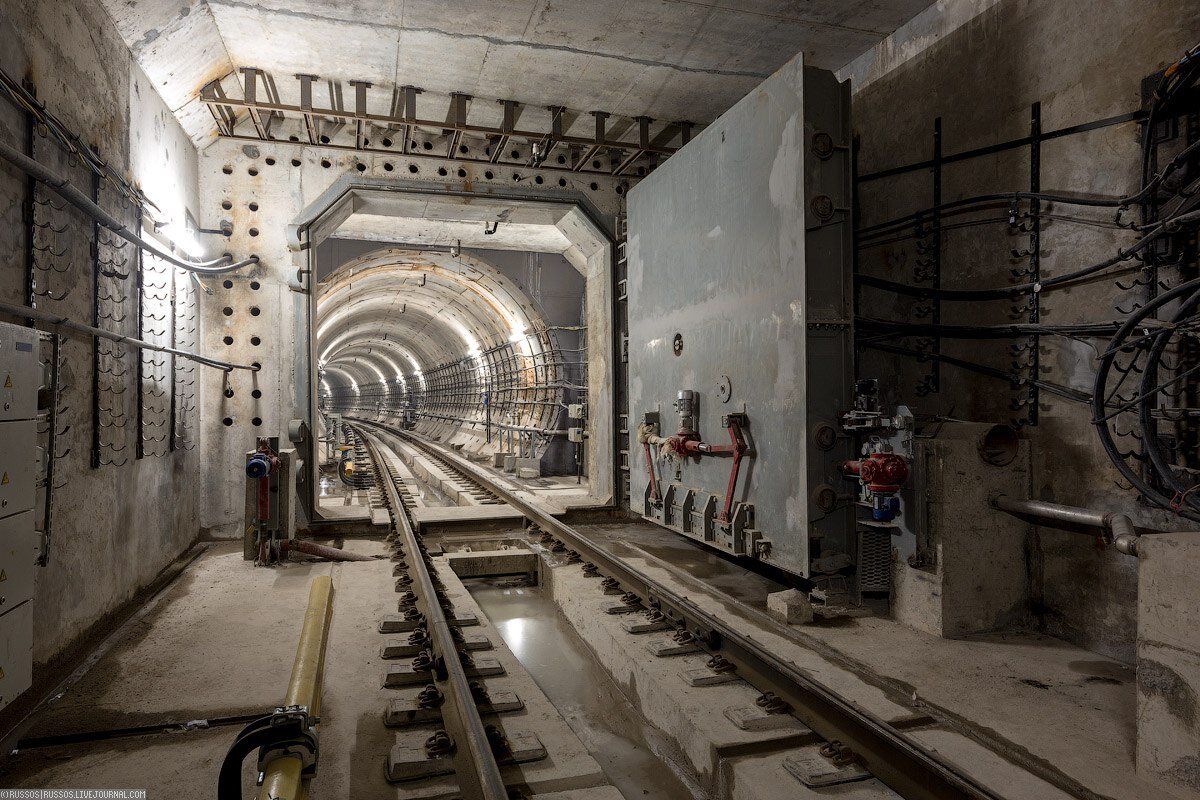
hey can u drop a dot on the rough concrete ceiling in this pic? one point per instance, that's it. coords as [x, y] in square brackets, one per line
[669, 59]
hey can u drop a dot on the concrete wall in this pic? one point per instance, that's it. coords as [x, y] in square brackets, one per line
[1168, 659]
[296, 177]
[118, 526]
[980, 65]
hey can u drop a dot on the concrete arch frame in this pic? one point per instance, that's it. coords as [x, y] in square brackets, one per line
[582, 235]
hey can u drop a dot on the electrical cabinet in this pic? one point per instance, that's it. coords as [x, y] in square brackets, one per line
[18, 552]
[16, 652]
[20, 372]
[20, 379]
[18, 465]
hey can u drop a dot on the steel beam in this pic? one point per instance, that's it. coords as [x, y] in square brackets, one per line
[402, 116]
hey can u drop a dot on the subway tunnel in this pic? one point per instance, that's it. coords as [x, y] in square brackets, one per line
[446, 343]
[663, 399]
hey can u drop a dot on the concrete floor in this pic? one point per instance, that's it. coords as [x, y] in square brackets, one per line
[200, 654]
[1045, 702]
[221, 643]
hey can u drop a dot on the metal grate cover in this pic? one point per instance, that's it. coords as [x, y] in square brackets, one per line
[874, 560]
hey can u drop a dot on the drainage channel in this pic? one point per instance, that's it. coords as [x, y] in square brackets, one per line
[634, 756]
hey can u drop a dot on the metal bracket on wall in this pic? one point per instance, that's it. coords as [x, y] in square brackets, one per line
[95, 252]
[929, 268]
[321, 126]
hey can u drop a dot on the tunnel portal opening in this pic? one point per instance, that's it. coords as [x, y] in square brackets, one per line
[479, 322]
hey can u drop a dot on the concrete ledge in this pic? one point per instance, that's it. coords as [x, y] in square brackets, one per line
[435, 519]
[492, 562]
[692, 716]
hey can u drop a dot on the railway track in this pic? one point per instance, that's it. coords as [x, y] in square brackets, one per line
[475, 749]
[853, 735]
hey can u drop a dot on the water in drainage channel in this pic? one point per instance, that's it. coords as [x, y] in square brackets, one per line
[609, 726]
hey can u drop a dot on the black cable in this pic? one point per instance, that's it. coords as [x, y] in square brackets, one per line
[1006, 331]
[81, 737]
[1189, 289]
[1065, 392]
[907, 233]
[1148, 399]
[1009, 198]
[268, 732]
[1016, 290]
[1012, 198]
[1173, 79]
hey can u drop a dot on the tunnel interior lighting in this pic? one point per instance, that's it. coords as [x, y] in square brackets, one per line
[182, 238]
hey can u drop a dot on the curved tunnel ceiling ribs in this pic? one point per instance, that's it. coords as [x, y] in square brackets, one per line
[669, 59]
[429, 335]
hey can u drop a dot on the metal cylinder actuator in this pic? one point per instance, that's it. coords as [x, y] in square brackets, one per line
[685, 404]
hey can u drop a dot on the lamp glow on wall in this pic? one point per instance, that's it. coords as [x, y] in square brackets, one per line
[182, 237]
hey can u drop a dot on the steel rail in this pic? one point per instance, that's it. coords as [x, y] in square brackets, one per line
[482, 781]
[907, 767]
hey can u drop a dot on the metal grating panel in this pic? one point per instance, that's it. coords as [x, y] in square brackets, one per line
[874, 560]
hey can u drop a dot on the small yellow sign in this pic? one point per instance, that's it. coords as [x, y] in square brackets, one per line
[1, 673]
[8, 382]
[3, 575]
[4, 480]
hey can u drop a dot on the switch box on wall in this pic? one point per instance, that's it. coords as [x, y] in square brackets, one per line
[20, 379]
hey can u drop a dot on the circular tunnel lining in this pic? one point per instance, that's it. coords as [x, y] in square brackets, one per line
[445, 344]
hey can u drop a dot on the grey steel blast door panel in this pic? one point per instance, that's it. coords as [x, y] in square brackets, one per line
[739, 313]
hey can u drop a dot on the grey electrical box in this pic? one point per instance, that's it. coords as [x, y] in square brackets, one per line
[16, 652]
[18, 552]
[20, 378]
[20, 372]
[18, 463]
[740, 252]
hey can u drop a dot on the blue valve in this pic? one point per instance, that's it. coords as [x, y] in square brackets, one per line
[886, 510]
[258, 466]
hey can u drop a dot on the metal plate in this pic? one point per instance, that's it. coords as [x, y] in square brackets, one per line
[814, 770]
[16, 652]
[18, 552]
[20, 372]
[724, 389]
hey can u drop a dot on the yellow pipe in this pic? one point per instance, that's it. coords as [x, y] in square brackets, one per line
[282, 779]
